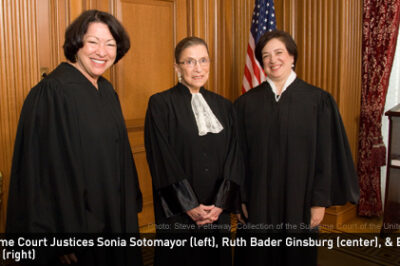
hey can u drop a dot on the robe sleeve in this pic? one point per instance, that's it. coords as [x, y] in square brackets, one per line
[170, 181]
[239, 107]
[136, 185]
[335, 182]
[47, 187]
[137, 197]
[228, 196]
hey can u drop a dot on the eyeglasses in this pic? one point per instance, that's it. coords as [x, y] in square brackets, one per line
[191, 62]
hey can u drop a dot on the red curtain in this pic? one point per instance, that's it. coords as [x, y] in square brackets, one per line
[380, 28]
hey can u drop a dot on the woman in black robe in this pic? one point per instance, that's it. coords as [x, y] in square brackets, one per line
[193, 153]
[297, 156]
[73, 170]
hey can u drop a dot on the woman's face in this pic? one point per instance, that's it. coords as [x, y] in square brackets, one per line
[98, 52]
[194, 67]
[277, 60]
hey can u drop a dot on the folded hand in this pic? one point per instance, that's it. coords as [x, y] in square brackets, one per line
[317, 215]
[204, 214]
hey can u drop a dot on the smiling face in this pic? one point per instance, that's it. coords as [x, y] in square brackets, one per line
[194, 76]
[277, 60]
[98, 52]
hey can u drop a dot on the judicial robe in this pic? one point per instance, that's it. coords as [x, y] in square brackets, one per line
[188, 170]
[73, 170]
[296, 156]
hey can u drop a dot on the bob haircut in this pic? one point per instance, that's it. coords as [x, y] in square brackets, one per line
[78, 28]
[187, 42]
[284, 37]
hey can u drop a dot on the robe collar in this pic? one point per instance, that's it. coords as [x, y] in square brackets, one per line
[289, 81]
[186, 91]
[71, 68]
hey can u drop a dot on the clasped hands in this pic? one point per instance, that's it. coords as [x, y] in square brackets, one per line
[204, 214]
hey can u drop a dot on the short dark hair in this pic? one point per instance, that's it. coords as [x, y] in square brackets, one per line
[78, 28]
[283, 36]
[187, 42]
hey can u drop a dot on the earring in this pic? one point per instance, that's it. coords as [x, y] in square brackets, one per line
[179, 77]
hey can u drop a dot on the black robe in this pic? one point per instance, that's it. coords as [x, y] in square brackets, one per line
[296, 156]
[188, 169]
[73, 170]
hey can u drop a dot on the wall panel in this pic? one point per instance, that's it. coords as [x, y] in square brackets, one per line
[19, 69]
[149, 65]
[350, 70]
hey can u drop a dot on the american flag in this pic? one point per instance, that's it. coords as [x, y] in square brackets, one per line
[263, 20]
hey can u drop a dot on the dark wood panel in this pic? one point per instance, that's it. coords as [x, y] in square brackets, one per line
[148, 67]
[19, 68]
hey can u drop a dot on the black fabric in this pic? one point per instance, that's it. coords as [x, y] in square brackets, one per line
[178, 198]
[229, 196]
[73, 170]
[296, 155]
[178, 155]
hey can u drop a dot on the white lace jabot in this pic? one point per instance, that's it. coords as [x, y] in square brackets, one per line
[205, 119]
